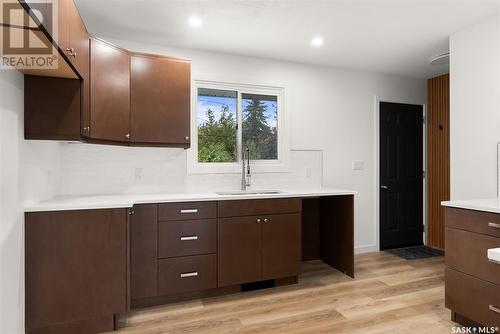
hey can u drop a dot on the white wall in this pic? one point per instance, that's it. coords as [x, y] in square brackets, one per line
[475, 110]
[29, 171]
[329, 109]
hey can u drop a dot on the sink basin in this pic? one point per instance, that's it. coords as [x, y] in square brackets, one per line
[248, 192]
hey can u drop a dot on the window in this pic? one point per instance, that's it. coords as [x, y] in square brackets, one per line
[230, 118]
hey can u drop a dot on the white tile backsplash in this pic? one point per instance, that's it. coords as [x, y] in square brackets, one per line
[102, 169]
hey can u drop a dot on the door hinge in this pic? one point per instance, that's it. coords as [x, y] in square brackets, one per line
[131, 211]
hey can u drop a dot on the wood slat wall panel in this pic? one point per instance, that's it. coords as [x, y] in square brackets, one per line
[438, 141]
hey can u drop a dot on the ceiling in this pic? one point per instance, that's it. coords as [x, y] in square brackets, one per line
[397, 37]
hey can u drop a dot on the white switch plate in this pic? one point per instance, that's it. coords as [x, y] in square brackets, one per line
[358, 165]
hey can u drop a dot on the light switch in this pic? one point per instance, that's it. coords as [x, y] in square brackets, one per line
[358, 165]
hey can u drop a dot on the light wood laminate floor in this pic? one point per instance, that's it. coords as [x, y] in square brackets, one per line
[389, 295]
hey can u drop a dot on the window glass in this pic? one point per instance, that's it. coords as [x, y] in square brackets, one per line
[217, 125]
[260, 125]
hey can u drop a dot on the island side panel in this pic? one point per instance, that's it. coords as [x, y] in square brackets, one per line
[337, 232]
[311, 249]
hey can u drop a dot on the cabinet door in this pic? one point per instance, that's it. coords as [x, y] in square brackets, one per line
[144, 251]
[281, 246]
[160, 100]
[239, 251]
[76, 266]
[109, 92]
[78, 40]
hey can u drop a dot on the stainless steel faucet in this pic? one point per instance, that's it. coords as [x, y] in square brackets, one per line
[245, 169]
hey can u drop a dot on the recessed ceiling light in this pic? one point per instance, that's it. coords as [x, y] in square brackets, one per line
[195, 21]
[317, 41]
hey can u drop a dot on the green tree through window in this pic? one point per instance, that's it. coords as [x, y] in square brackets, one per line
[218, 126]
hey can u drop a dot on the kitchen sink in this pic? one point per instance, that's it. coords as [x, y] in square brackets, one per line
[248, 192]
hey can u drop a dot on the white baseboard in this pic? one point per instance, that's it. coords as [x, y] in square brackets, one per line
[365, 249]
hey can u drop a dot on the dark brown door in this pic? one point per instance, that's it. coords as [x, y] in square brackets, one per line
[401, 175]
[281, 245]
[76, 265]
[239, 251]
[144, 251]
[160, 100]
[110, 92]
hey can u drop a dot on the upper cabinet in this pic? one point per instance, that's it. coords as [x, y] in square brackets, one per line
[121, 97]
[160, 100]
[109, 92]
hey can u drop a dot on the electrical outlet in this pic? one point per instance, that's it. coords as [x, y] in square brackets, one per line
[358, 165]
[139, 173]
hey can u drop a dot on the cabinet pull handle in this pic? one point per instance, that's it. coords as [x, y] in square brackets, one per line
[258, 220]
[189, 211]
[494, 225]
[494, 309]
[192, 274]
[127, 136]
[71, 52]
[193, 237]
[266, 220]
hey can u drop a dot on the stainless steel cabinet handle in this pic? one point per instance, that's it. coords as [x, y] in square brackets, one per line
[265, 220]
[384, 187]
[258, 220]
[189, 210]
[494, 225]
[127, 136]
[192, 274]
[193, 237]
[494, 309]
[186, 138]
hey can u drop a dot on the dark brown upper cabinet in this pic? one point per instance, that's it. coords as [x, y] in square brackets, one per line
[160, 100]
[109, 92]
[119, 98]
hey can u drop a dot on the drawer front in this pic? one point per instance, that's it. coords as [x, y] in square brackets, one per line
[473, 298]
[190, 273]
[468, 252]
[474, 221]
[187, 211]
[259, 207]
[187, 237]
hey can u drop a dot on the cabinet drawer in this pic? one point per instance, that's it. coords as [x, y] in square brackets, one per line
[187, 237]
[259, 207]
[187, 211]
[190, 273]
[468, 252]
[474, 221]
[473, 298]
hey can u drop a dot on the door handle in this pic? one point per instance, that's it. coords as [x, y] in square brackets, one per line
[494, 309]
[189, 211]
[194, 237]
[384, 187]
[192, 274]
[494, 225]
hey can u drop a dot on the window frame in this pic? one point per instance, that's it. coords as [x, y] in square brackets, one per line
[257, 166]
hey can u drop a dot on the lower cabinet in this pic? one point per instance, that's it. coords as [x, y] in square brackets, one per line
[257, 248]
[184, 249]
[472, 283]
[76, 270]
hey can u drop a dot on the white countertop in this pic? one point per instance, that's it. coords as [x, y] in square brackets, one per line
[487, 204]
[64, 203]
